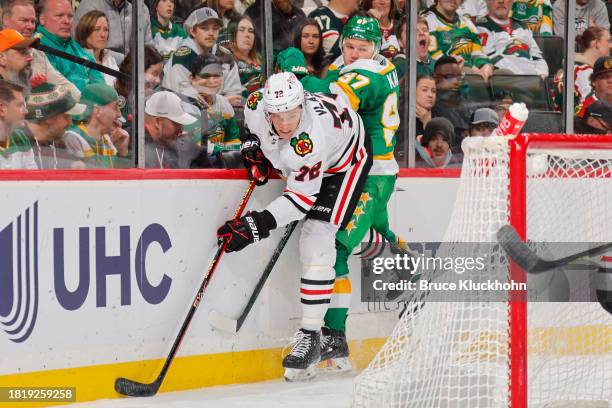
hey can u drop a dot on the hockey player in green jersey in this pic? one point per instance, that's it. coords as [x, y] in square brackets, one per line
[370, 84]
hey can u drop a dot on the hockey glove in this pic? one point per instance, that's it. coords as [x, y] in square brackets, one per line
[292, 60]
[258, 167]
[251, 228]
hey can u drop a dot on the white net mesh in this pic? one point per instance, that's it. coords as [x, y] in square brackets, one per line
[455, 354]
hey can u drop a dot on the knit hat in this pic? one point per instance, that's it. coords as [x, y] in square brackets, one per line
[437, 126]
[47, 100]
[98, 94]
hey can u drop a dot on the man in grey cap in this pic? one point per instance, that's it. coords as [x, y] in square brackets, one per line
[483, 122]
[202, 27]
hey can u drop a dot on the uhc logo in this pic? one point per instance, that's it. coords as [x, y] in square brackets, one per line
[19, 259]
[19, 275]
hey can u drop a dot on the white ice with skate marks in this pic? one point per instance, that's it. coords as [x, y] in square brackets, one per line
[325, 391]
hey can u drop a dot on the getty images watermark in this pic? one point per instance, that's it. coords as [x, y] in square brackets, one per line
[462, 272]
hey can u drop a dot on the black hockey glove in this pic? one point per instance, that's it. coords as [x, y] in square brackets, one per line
[252, 227]
[258, 167]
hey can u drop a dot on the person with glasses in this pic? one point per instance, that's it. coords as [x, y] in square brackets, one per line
[15, 57]
[451, 96]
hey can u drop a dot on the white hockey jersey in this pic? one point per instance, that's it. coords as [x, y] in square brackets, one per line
[511, 46]
[328, 140]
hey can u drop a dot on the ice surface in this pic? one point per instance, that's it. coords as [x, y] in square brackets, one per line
[325, 391]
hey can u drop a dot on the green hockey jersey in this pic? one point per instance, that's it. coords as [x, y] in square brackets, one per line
[372, 89]
[537, 14]
[456, 37]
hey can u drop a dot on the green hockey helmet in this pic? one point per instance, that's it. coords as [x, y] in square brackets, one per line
[363, 28]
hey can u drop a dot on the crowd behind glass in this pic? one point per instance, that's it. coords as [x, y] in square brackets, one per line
[66, 92]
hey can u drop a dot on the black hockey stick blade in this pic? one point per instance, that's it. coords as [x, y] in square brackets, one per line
[529, 260]
[229, 325]
[136, 389]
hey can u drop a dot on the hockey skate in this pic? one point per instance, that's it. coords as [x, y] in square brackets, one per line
[300, 363]
[334, 352]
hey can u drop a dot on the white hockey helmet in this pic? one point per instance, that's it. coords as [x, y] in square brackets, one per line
[283, 92]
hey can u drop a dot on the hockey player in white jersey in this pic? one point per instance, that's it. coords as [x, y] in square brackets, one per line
[317, 142]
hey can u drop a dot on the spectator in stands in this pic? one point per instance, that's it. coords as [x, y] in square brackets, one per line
[483, 122]
[307, 38]
[97, 137]
[16, 57]
[119, 15]
[20, 16]
[50, 112]
[331, 19]
[92, 34]
[243, 46]
[601, 81]
[451, 102]
[456, 35]
[15, 149]
[54, 29]
[425, 64]
[384, 11]
[225, 10]
[595, 43]
[434, 147]
[537, 14]
[597, 119]
[221, 135]
[508, 43]
[285, 18]
[470, 9]
[167, 35]
[588, 13]
[425, 101]
[203, 28]
[153, 67]
[164, 121]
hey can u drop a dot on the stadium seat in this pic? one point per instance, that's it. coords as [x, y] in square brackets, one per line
[552, 48]
[529, 89]
[543, 121]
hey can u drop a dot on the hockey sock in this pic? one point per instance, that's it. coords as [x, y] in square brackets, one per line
[315, 291]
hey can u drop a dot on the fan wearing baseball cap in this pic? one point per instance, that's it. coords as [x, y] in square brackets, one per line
[97, 136]
[164, 121]
[15, 57]
[202, 27]
[601, 82]
[483, 122]
[597, 119]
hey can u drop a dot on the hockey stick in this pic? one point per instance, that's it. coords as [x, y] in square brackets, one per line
[529, 260]
[226, 324]
[136, 389]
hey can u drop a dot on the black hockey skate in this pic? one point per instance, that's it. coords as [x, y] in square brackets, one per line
[301, 362]
[334, 351]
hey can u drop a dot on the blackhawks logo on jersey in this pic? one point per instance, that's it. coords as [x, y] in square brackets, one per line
[254, 99]
[302, 145]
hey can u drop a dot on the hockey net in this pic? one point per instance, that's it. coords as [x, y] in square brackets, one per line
[498, 354]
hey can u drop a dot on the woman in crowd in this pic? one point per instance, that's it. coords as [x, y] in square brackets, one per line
[92, 34]
[385, 11]
[243, 46]
[166, 35]
[153, 62]
[309, 40]
[425, 101]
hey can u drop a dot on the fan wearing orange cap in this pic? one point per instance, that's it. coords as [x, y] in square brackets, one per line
[15, 57]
